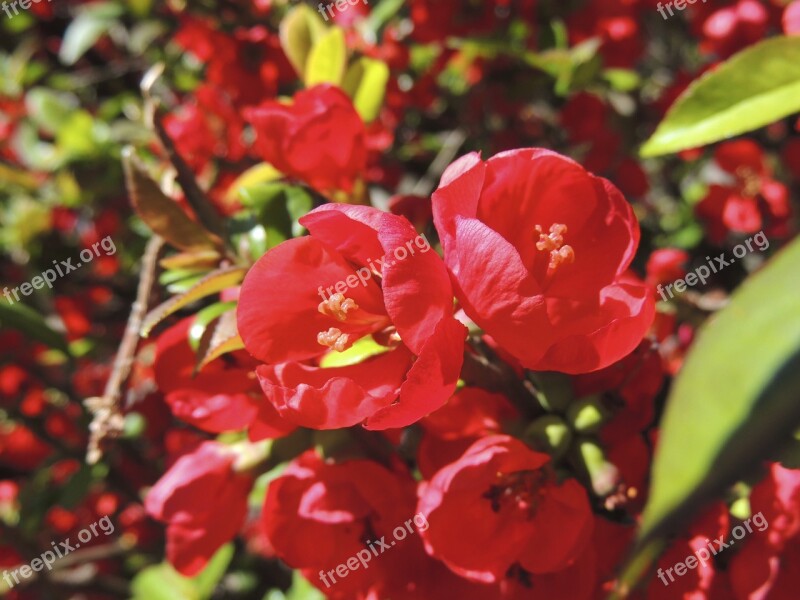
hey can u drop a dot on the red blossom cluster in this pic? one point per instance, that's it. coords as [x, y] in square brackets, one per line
[316, 380]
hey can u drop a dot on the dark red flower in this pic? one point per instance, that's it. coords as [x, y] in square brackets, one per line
[319, 138]
[498, 507]
[538, 249]
[203, 501]
[360, 273]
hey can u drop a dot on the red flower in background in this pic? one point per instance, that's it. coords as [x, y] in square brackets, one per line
[750, 201]
[406, 305]
[203, 501]
[206, 128]
[498, 506]
[538, 249]
[728, 29]
[319, 138]
[791, 19]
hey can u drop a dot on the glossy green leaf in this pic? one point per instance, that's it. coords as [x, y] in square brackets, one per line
[752, 89]
[733, 404]
[327, 59]
[365, 82]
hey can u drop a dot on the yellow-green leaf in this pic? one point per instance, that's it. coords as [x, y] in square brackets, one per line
[327, 59]
[733, 405]
[299, 30]
[365, 82]
[753, 88]
[210, 284]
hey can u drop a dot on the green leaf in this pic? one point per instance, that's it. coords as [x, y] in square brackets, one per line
[299, 31]
[365, 82]
[85, 30]
[206, 317]
[49, 109]
[327, 59]
[261, 173]
[210, 284]
[278, 206]
[162, 582]
[733, 404]
[32, 324]
[751, 89]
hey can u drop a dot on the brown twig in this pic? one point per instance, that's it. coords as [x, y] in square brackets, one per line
[108, 420]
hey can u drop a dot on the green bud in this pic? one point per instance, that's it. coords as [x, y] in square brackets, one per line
[588, 415]
[549, 434]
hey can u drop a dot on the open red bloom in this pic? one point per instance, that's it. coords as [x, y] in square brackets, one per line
[538, 249]
[204, 503]
[360, 273]
[319, 138]
[317, 515]
[497, 507]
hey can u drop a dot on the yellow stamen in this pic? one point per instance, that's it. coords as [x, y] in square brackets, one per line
[334, 339]
[553, 242]
[337, 306]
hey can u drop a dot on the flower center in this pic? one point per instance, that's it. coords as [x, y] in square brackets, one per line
[334, 339]
[751, 181]
[521, 489]
[337, 306]
[553, 242]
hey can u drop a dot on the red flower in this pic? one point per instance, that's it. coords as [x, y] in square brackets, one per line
[538, 250]
[732, 28]
[791, 19]
[222, 397]
[666, 265]
[319, 138]
[203, 502]
[498, 507]
[318, 515]
[752, 201]
[469, 415]
[206, 128]
[340, 293]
